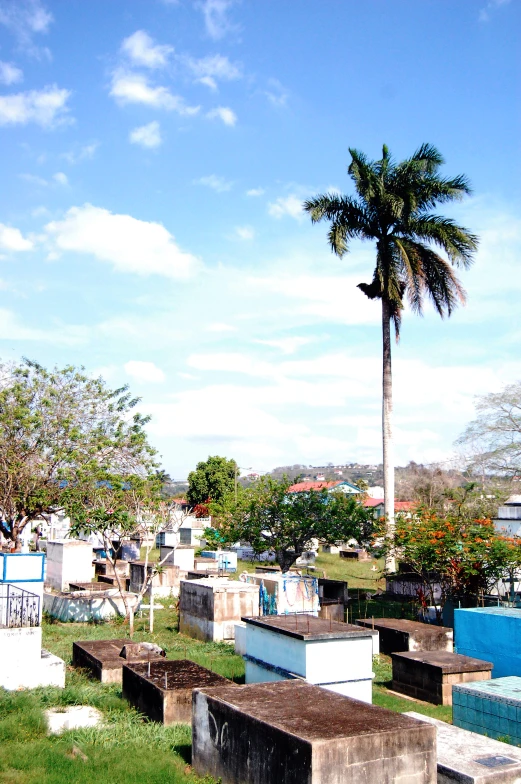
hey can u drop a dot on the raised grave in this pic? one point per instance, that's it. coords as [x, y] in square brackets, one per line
[68, 560]
[337, 656]
[334, 597]
[355, 555]
[206, 565]
[465, 757]
[430, 675]
[162, 690]
[492, 633]
[164, 583]
[285, 593]
[87, 606]
[226, 559]
[180, 556]
[490, 708]
[293, 732]
[209, 608]
[398, 634]
[104, 659]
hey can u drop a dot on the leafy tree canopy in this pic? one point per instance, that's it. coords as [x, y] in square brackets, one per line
[65, 440]
[212, 480]
[270, 518]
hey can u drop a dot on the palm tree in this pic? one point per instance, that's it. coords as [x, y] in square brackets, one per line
[393, 209]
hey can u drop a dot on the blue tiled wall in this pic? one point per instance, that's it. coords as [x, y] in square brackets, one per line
[492, 634]
[491, 708]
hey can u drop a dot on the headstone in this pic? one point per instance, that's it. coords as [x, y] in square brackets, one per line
[465, 757]
[68, 560]
[398, 634]
[104, 659]
[336, 656]
[491, 633]
[430, 675]
[293, 732]
[490, 708]
[162, 690]
[209, 608]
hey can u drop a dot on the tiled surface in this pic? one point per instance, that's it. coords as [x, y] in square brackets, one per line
[491, 708]
[493, 634]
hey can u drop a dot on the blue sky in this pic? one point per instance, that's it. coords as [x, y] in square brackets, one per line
[155, 158]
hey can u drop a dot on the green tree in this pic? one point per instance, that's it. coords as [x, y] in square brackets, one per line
[64, 440]
[270, 518]
[212, 480]
[393, 208]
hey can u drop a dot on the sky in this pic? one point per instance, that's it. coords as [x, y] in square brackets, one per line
[155, 158]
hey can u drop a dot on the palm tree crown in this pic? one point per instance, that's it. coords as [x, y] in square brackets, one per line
[393, 209]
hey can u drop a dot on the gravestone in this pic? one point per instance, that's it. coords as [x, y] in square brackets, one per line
[162, 690]
[293, 732]
[336, 656]
[104, 659]
[209, 608]
[490, 708]
[398, 634]
[430, 675]
[465, 757]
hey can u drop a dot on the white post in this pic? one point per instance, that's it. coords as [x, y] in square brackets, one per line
[151, 608]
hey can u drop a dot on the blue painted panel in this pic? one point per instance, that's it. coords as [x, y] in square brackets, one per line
[492, 634]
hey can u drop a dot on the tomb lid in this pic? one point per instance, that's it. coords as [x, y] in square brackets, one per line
[512, 612]
[403, 625]
[304, 626]
[177, 674]
[444, 660]
[508, 688]
[221, 585]
[310, 712]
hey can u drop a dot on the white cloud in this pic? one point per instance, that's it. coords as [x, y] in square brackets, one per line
[215, 14]
[491, 6]
[286, 345]
[147, 135]
[128, 87]
[128, 244]
[255, 192]
[25, 18]
[61, 178]
[12, 239]
[244, 232]
[47, 108]
[223, 113]
[34, 179]
[85, 153]
[144, 371]
[10, 74]
[209, 70]
[220, 327]
[141, 50]
[287, 205]
[12, 327]
[218, 184]
[276, 94]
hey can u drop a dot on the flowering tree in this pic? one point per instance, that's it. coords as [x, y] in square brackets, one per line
[465, 558]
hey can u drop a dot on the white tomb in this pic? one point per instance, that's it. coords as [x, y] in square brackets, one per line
[226, 559]
[180, 556]
[68, 561]
[285, 592]
[326, 653]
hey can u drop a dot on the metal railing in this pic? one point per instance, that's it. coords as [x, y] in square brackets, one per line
[18, 607]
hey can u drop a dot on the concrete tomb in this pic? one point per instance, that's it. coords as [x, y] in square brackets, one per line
[209, 608]
[104, 659]
[337, 656]
[398, 634]
[206, 565]
[333, 596]
[282, 593]
[106, 568]
[85, 606]
[71, 718]
[430, 675]
[490, 708]
[162, 690]
[183, 557]
[164, 583]
[464, 757]
[68, 560]
[354, 554]
[293, 732]
[492, 633]
[226, 559]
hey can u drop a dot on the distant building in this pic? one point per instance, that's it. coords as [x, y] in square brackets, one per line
[508, 520]
[377, 504]
[342, 487]
[320, 477]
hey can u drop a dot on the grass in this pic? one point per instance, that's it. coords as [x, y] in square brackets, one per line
[127, 749]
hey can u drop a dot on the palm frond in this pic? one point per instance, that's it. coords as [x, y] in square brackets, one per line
[458, 242]
[440, 281]
[363, 174]
[412, 274]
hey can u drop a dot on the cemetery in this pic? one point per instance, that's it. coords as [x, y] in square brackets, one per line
[104, 659]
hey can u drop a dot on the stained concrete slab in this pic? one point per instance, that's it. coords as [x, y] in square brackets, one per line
[71, 718]
[400, 634]
[104, 659]
[293, 732]
[465, 757]
[430, 675]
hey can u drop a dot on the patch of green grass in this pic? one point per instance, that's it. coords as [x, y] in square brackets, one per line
[382, 667]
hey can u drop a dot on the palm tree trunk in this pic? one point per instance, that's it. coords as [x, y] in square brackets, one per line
[387, 434]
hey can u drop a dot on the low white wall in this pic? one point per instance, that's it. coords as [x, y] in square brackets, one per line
[81, 607]
[23, 663]
[69, 561]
